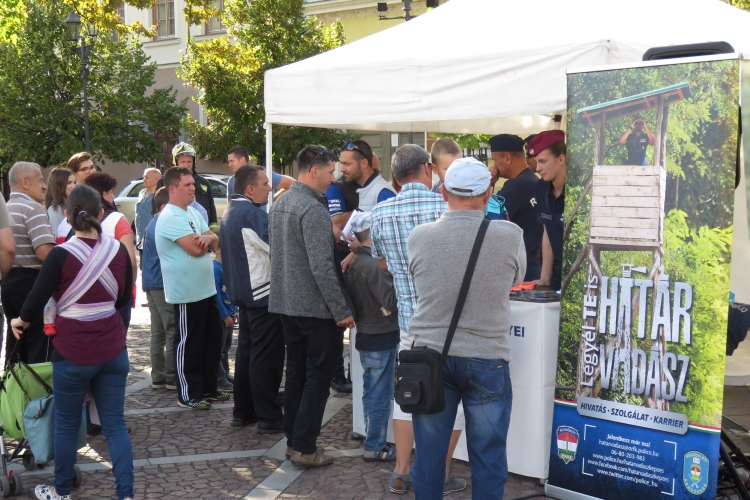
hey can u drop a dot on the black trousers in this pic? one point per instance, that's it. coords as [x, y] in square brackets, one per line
[259, 364]
[310, 344]
[197, 348]
[34, 346]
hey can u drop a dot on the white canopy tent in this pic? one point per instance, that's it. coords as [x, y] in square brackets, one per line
[485, 66]
[492, 66]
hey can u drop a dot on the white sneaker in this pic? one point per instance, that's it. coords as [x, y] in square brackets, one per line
[44, 492]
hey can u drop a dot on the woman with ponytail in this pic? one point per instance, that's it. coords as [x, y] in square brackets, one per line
[114, 225]
[89, 277]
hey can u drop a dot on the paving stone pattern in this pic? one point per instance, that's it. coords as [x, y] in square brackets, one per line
[170, 445]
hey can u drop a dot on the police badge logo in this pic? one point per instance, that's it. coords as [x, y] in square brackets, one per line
[567, 443]
[695, 472]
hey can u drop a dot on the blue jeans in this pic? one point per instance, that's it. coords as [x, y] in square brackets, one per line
[379, 381]
[485, 388]
[71, 382]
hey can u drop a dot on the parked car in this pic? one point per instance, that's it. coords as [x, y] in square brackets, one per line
[125, 201]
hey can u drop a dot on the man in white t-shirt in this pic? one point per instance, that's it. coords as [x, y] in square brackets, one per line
[183, 240]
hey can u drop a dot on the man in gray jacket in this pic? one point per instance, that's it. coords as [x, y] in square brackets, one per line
[307, 290]
[476, 369]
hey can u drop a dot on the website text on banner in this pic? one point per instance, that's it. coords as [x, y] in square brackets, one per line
[645, 281]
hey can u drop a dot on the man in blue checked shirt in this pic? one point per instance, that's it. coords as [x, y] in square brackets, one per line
[392, 221]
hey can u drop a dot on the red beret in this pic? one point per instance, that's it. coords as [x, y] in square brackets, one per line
[543, 140]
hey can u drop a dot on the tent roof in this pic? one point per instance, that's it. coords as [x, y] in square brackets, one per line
[635, 103]
[473, 66]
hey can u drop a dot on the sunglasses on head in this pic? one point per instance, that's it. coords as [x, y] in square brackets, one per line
[353, 147]
[321, 151]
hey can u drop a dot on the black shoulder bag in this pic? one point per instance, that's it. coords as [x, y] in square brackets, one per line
[419, 386]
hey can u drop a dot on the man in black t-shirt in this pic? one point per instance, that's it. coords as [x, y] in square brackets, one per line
[636, 139]
[510, 163]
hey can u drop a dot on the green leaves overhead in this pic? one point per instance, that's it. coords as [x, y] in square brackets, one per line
[228, 73]
[41, 98]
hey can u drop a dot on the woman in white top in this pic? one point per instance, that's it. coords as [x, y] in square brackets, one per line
[60, 183]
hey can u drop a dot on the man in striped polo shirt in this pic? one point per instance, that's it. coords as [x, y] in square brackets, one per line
[34, 239]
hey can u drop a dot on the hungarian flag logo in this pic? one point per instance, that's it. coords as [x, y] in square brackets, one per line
[567, 443]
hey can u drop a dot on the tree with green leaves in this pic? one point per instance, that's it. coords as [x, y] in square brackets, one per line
[228, 72]
[40, 93]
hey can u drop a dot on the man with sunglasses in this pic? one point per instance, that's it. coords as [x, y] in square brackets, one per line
[356, 165]
[361, 187]
[307, 290]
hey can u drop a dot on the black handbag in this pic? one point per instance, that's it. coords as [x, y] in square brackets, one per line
[419, 376]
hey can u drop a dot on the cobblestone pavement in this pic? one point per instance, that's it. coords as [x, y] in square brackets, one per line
[185, 454]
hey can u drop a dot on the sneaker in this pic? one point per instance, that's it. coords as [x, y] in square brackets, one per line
[158, 385]
[386, 454]
[311, 460]
[171, 385]
[399, 483]
[217, 396]
[340, 384]
[243, 422]
[44, 492]
[225, 385]
[93, 430]
[453, 484]
[272, 426]
[195, 404]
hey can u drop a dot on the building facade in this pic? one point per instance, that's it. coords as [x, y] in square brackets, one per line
[360, 18]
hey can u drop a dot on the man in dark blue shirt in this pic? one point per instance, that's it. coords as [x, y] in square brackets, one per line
[549, 149]
[636, 139]
[520, 199]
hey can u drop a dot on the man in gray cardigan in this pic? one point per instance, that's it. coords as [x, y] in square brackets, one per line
[307, 290]
[476, 369]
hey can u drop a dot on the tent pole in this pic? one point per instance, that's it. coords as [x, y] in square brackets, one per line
[269, 158]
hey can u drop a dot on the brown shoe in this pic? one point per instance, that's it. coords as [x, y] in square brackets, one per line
[311, 460]
[289, 451]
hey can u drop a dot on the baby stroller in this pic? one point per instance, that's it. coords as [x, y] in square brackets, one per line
[21, 384]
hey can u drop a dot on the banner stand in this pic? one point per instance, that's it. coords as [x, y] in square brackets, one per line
[649, 226]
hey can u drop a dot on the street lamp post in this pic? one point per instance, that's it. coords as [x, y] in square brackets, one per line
[73, 23]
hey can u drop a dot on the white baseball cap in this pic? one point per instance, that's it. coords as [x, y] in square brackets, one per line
[467, 177]
[360, 221]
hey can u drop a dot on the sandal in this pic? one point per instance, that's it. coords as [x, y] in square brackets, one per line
[386, 454]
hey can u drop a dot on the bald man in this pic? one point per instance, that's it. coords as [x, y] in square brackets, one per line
[34, 239]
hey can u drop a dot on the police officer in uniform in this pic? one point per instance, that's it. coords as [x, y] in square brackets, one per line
[549, 150]
[519, 192]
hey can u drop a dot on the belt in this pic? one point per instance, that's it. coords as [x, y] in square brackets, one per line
[533, 256]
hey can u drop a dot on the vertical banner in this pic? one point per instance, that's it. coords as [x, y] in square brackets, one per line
[652, 157]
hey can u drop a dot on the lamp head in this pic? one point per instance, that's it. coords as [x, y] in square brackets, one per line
[92, 30]
[73, 23]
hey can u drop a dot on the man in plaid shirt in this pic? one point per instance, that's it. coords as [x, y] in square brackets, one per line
[392, 221]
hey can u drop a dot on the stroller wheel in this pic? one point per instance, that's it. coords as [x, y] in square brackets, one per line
[28, 461]
[16, 485]
[79, 477]
[5, 485]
